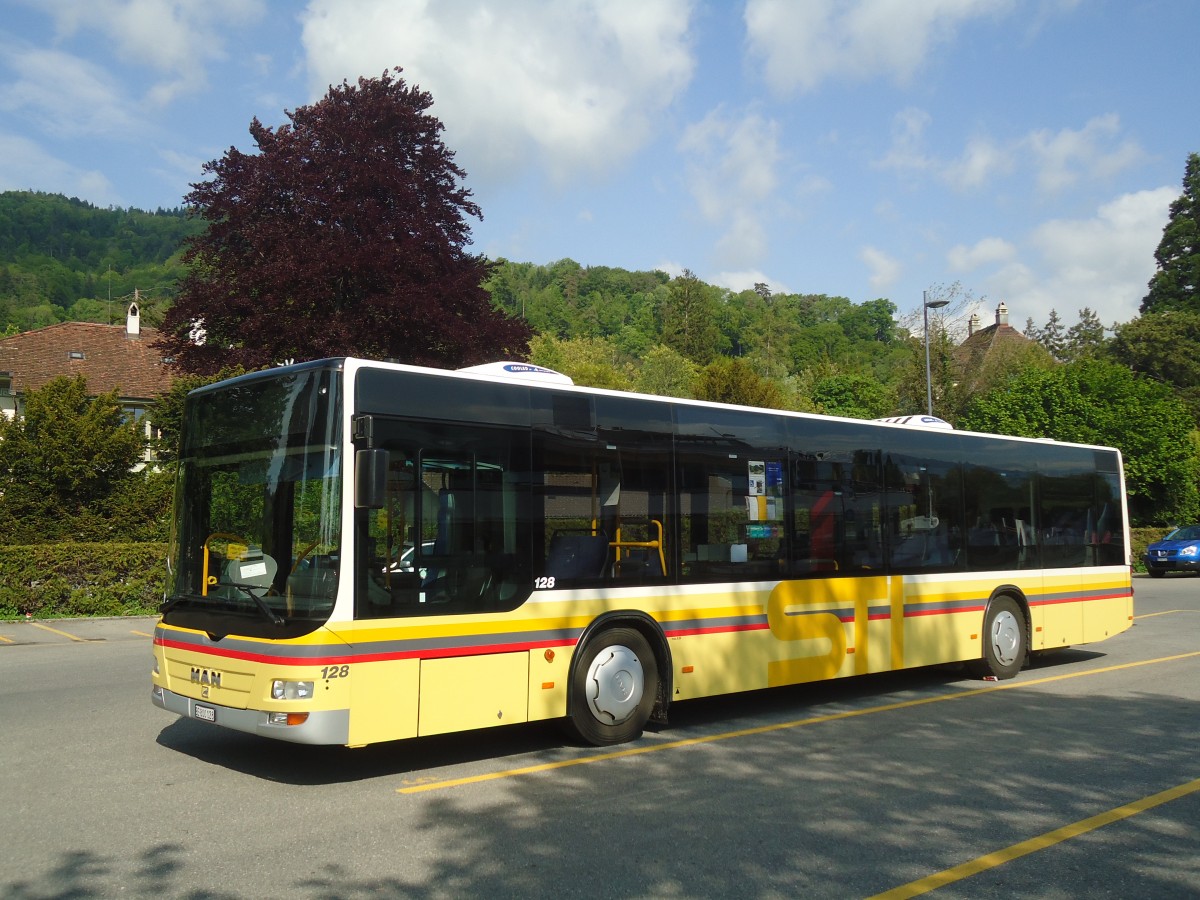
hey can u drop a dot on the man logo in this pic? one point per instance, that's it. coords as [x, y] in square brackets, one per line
[206, 676]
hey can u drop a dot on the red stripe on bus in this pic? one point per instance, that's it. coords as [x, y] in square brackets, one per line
[913, 613]
[716, 629]
[364, 657]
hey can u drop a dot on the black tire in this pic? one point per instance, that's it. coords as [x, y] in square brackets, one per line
[1005, 640]
[613, 688]
[1155, 571]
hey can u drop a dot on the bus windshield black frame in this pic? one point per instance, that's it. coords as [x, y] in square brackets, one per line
[256, 539]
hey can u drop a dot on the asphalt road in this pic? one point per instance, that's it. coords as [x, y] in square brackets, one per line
[1078, 778]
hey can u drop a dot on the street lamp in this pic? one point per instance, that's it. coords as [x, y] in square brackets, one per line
[927, 306]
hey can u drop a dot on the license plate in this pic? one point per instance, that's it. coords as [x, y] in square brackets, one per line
[207, 713]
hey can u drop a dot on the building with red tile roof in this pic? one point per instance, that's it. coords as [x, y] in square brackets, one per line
[995, 343]
[108, 356]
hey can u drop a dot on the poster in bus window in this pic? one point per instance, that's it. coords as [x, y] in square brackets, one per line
[758, 478]
[764, 490]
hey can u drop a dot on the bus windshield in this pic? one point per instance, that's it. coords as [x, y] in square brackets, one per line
[256, 537]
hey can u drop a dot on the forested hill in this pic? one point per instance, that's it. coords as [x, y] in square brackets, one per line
[63, 259]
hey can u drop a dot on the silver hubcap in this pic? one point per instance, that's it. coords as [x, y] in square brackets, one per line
[615, 684]
[1006, 638]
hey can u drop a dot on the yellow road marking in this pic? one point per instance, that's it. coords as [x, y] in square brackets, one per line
[1041, 842]
[419, 785]
[140, 633]
[7, 640]
[56, 631]
[1165, 612]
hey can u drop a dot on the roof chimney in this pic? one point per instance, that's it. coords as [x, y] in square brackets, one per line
[972, 324]
[1001, 314]
[133, 319]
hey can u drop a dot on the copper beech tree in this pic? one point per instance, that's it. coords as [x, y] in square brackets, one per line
[345, 234]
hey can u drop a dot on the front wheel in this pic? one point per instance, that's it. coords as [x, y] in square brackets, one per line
[613, 688]
[1005, 640]
[1155, 571]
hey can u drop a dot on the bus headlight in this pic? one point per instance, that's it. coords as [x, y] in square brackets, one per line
[291, 690]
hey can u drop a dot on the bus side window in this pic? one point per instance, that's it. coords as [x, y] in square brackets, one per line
[924, 513]
[732, 516]
[837, 517]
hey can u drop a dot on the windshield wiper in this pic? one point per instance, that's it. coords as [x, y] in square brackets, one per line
[248, 589]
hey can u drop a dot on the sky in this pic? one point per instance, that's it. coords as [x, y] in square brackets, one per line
[1024, 151]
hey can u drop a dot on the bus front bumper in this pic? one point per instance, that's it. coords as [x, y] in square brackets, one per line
[318, 727]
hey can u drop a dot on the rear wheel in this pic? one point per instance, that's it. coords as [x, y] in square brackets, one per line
[1005, 640]
[613, 688]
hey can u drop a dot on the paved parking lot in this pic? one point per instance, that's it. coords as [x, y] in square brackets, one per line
[65, 631]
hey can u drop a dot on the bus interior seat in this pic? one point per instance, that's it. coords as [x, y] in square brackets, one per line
[309, 586]
[575, 555]
[256, 569]
[640, 563]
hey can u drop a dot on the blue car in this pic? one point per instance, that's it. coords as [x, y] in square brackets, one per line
[1178, 551]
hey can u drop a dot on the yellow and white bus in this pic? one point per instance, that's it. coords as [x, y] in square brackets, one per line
[364, 552]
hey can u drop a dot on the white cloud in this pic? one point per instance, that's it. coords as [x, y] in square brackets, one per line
[907, 150]
[176, 37]
[64, 95]
[732, 172]
[981, 161]
[1065, 157]
[805, 43]
[24, 165]
[885, 270]
[570, 86]
[745, 281]
[1103, 263]
[986, 252]
[1057, 160]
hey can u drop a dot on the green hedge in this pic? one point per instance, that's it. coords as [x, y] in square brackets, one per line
[63, 580]
[1140, 539]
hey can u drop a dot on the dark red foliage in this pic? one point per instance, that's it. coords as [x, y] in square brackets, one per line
[343, 235]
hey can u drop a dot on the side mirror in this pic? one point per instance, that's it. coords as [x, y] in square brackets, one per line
[370, 478]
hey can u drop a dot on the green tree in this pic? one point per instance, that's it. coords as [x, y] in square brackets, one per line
[1053, 337]
[346, 233]
[1004, 361]
[593, 362]
[1100, 402]
[874, 320]
[67, 468]
[852, 394]
[1086, 337]
[665, 372]
[1166, 347]
[166, 412]
[689, 319]
[68, 260]
[1176, 283]
[729, 380]
[912, 391]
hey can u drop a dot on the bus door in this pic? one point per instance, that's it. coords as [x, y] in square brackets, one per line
[452, 534]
